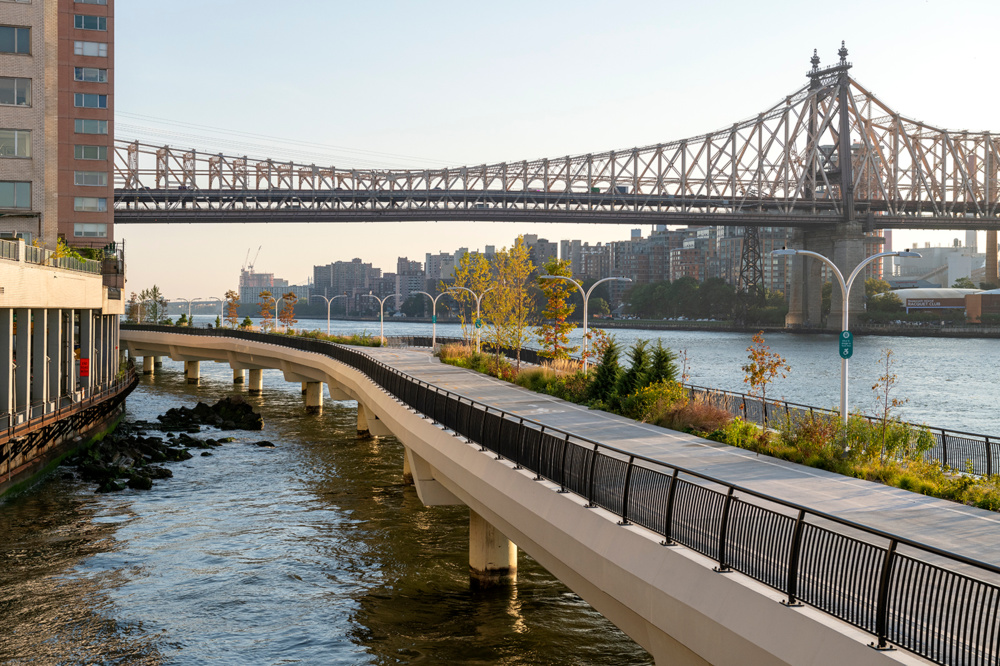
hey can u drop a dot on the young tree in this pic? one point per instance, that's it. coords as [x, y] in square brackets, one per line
[132, 309]
[598, 341]
[266, 313]
[964, 283]
[634, 378]
[553, 331]
[472, 272]
[232, 308]
[661, 364]
[605, 381]
[763, 368]
[885, 402]
[509, 305]
[287, 314]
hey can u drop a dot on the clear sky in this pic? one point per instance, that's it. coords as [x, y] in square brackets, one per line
[427, 84]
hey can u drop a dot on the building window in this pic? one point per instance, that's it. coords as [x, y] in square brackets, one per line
[99, 49]
[15, 92]
[90, 178]
[15, 143]
[90, 101]
[87, 126]
[84, 22]
[90, 204]
[91, 2]
[15, 195]
[95, 230]
[15, 40]
[90, 74]
[91, 152]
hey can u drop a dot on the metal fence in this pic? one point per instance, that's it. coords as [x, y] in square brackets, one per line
[960, 450]
[931, 602]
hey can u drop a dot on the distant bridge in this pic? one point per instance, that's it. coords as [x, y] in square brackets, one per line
[829, 152]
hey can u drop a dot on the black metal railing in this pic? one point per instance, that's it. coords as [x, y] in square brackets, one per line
[937, 604]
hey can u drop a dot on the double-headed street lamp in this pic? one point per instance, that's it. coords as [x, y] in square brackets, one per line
[586, 298]
[479, 299]
[381, 314]
[328, 302]
[188, 301]
[434, 317]
[275, 299]
[845, 291]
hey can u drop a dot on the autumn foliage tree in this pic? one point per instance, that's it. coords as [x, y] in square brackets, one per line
[472, 272]
[508, 306]
[232, 308]
[764, 367]
[553, 331]
[266, 313]
[287, 313]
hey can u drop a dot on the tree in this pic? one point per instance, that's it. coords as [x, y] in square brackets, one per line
[154, 305]
[553, 331]
[132, 309]
[886, 302]
[634, 378]
[763, 368]
[875, 286]
[964, 283]
[232, 308]
[183, 320]
[599, 307]
[413, 306]
[287, 314]
[661, 365]
[885, 402]
[247, 323]
[266, 313]
[605, 381]
[509, 305]
[472, 272]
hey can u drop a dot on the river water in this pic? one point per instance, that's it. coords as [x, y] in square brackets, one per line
[313, 552]
[316, 552]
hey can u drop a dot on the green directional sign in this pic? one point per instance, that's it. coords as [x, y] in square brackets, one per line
[434, 319]
[479, 323]
[846, 344]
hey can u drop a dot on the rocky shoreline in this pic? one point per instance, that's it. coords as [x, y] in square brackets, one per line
[130, 457]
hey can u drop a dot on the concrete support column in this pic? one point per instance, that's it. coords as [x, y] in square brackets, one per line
[86, 347]
[314, 397]
[70, 339]
[848, 252]
[363, 430]
[54, 351]
[305, 387]
[158, 361]
[991, 276]
[492, 556]
[796, 316]
[6, 362]
[192, 371]
[407, 474]
[22, 359]
[238, 377]
[147, 365]
[97, 352]
[256, 382]
[39, 371]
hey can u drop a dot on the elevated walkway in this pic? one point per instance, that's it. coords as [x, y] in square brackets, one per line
[757, 536]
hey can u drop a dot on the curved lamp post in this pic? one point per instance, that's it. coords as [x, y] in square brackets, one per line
[434, 317]
[586, 298]
[381, 314]
[275, 299]
[479, 300]
[845, 291]
[222, 307]
[328, 302]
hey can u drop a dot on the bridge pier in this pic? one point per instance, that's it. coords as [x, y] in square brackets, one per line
[192, 371]
[305, 387]
[256, 381]
[314, 397]
[492, 556]
[363, 430]
[238, 376]
[844, 244]
[147, 365]
[158, 361]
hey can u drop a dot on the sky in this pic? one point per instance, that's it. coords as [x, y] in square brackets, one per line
[427, 84]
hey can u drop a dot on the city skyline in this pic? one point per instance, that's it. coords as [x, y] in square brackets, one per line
[407, 87]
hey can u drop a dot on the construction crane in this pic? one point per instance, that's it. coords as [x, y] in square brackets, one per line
[247, 264]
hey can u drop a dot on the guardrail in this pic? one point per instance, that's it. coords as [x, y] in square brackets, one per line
[43, 257]
[913, 595]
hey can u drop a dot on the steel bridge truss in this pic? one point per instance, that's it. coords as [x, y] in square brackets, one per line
[779, 168]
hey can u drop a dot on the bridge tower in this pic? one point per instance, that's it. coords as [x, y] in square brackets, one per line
[751, 283]
[843, 241]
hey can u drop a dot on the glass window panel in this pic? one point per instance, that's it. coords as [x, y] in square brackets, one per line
[97, 230]
[15, 143]
[90, 74]
[88, 126]
[90, 204]
[91, 152]
[86, 22]
[90, 178]
[99, 49]
[90, 101]
[15, 195]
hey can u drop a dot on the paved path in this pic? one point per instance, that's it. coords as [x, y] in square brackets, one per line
[969, 531]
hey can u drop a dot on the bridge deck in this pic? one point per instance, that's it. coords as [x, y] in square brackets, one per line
[947, 525]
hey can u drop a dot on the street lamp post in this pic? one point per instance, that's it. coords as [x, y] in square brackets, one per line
[381, 314]
[845, 291]
[328, 302]
[275, 299]
[434, 318]
[188, 301]
[479, 300]
[586, 298]
[222, 307]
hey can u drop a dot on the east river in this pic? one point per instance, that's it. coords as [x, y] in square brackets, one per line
[316, 552]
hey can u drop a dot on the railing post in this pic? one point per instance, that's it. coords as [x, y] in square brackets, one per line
[562, 466]
[944, 448]
[723, 568]
[590, 481]
[882, 603]
[538, 458]
[519, 449]
[793, 561]
[989, 457]
[628, 481]
[482, 428]
[669, 513]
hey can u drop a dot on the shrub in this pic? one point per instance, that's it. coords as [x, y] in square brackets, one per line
[602, 387]
[653, 400]
[633, 379]
[694, 416]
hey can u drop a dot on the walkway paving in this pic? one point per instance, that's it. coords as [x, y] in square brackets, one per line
[972, 532]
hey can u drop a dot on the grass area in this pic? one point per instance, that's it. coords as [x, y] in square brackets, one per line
[890, 453]
[357, 339]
